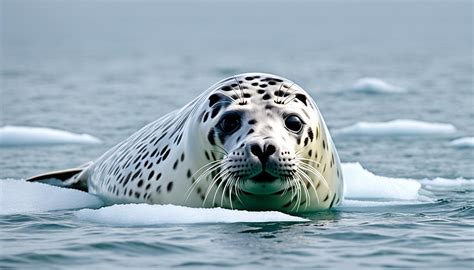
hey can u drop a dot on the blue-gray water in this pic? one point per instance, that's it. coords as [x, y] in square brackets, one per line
[107, 68]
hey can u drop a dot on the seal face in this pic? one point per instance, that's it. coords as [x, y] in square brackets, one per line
[252, 141]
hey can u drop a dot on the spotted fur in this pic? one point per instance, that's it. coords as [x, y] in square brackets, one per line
[188, 158]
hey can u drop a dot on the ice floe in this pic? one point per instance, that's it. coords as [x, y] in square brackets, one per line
[466, 142]
[19, 196]
[398, 127]
[22, 135]
[145, 214]
[375, 86]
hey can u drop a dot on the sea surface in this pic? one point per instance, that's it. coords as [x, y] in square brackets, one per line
[393, 80]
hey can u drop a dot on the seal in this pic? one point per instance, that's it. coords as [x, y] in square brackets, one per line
[252, 141]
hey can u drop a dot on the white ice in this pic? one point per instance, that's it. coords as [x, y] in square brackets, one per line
[375, 86]
[440, 182]
[466, 142]
[21, 135]
[18, 196]
[145, 214]
[399, 127]
[362, 189]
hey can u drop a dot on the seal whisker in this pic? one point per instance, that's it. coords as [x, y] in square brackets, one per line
[238, 188]
[225, 187]
[210, 168]
[298, 195]
[230, 195]
[242, 102]
[289, 95]
[309, 160]
[227, 174]
[219, 152]
[280, 94]
[302, 173]
[303, 187]
[306, 193]
[213, 182]
[210, 164]
[312, 170]
[222, 148]
[299, 151]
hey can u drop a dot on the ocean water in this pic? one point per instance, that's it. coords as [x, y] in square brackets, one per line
[393, 80]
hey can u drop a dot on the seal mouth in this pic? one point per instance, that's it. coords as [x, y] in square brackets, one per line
[264, 177]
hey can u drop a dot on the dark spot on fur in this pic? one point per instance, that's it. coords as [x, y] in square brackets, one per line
[269, 107]
[252, 121]
[135, 175]
[166, 154]
[266, 97]
[327, 197]
[213, 99]
[301, 97]
[169, 186]
[175, 165]
[310, 134]
[215, 111]
[261, 91]
[332, 201]
[140, 183]
[211, 138]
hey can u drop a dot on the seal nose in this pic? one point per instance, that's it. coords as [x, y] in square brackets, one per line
[262, 154]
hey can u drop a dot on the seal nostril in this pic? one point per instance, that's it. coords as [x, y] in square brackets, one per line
[270, 150]
[255, 149]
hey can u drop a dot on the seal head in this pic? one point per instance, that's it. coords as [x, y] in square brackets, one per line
[272, 149]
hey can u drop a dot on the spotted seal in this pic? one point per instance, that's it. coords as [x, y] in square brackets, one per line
[252, 141]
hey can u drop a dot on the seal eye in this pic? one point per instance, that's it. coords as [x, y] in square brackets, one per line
[230, 123]
[294, 123]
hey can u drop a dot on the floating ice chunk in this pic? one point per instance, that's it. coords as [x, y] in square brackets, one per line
[20, 135]
[145, 214]
[370, 203]
[362, 184]
[466, 142]
[444, 182]
[19, 196]
[375, 86]
[399, 127]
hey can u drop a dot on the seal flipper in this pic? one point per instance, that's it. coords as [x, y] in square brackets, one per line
[75, 178]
